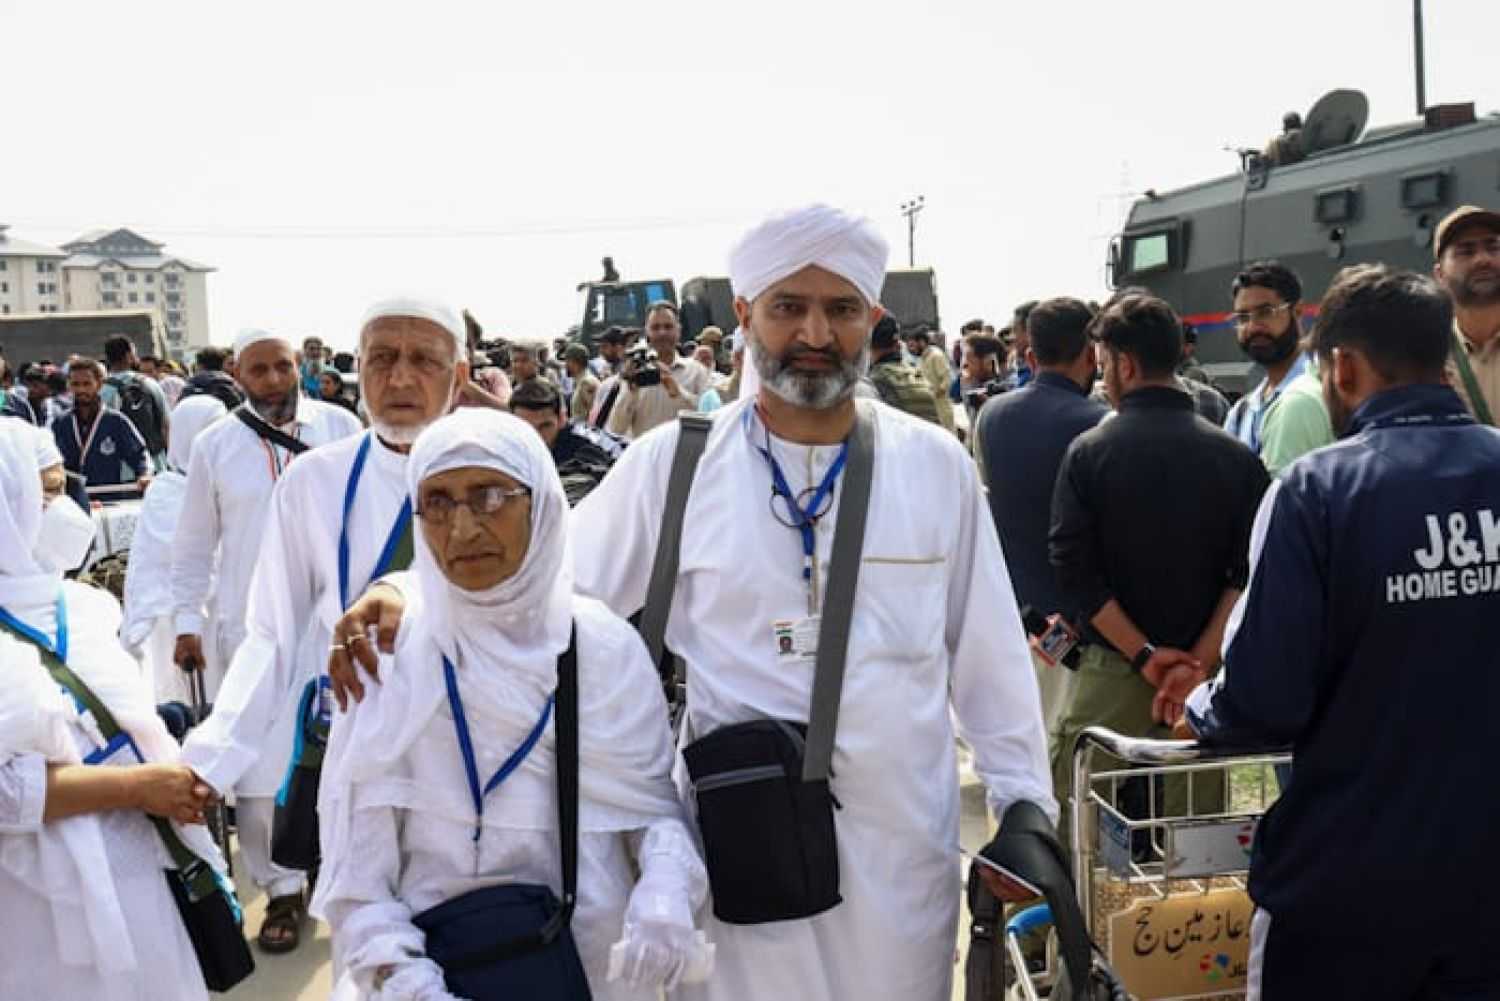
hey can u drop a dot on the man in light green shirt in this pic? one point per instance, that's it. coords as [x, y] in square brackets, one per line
[934, 365]
[1284, 417]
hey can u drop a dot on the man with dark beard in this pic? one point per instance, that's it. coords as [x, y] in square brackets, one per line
[1285, 416]
[230, 479]
[1467, 245]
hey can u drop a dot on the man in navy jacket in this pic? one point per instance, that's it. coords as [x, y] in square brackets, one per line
[1367, 641]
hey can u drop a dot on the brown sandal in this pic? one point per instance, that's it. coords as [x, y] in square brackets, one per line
[281, 931]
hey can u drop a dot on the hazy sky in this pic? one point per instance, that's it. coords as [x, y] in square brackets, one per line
[321, 155]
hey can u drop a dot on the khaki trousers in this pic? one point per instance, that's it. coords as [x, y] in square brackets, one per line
[1108, 693]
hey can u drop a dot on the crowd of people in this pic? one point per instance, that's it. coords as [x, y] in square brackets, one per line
[414, 569]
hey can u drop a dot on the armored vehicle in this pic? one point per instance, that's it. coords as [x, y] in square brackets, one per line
[1353, 196]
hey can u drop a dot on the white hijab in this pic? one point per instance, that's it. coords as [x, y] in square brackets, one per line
[189, 418]
[67, 861]
[504, 643]
[148, 591]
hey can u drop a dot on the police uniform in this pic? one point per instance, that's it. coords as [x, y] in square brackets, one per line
[1366, 642]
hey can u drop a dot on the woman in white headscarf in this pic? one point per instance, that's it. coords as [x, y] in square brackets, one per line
[401, 832]
[148, 630]
[87, 911]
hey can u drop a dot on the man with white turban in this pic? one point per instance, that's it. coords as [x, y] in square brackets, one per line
[935, 633]
[402, 831]
[336, 518]
[87, 912]
[220, 534]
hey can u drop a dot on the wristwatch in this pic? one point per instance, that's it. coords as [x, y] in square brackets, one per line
[1142, 655]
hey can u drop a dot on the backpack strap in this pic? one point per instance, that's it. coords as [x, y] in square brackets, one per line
[692, 436]
[1477, 402]
[268, 433]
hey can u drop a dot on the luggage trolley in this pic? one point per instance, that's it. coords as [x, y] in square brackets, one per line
[1160, 844]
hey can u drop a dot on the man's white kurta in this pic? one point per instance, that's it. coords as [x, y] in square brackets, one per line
[935, 626]
[294, 600]
[230, 478]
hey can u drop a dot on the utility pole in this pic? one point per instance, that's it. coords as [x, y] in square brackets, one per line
[1421, 58]
[910, 210]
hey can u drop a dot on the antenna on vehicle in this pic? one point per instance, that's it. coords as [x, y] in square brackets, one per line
[1416, 14]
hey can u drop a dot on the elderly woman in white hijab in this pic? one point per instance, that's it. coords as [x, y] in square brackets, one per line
[148, 630]
[87, 912]
[411, 817]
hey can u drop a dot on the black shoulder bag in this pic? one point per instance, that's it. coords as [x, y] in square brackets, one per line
[273, 435]
[209, 910]
[765, 808]
[514, 940]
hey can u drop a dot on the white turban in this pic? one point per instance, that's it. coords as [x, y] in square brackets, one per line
[420, 309]
[848, 246]
[252, 335]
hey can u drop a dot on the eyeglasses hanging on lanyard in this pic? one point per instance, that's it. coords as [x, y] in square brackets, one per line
[804, 517]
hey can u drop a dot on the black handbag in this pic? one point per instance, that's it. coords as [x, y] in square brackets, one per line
[765, 807]
[208, 907]
[294, 825]
[515, 940]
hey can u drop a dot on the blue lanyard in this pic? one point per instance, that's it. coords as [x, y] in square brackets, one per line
[806, 518]
[59, 648]
[397, 530]
[466, 746]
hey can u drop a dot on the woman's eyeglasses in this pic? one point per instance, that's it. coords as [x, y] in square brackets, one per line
[483, 502]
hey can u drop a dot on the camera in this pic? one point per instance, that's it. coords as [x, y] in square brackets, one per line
[976, 398]
[647, 371]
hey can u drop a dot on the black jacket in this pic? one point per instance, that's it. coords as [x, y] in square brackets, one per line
[1368, 641]
[1020, 438]
[1153, 508]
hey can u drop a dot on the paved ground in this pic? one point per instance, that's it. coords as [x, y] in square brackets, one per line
[305, 974]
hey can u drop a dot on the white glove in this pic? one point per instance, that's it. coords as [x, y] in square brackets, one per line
[656, 953]
[658, 937]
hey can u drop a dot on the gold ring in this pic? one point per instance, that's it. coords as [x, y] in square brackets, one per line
[356, 638]
[336, 646]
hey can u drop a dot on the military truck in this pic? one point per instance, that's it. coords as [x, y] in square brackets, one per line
[910, 295]
[1356, 197]
[57, 336]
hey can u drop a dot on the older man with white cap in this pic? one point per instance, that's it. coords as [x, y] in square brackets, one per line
[934, 634]
[234, 467]
[337, 518]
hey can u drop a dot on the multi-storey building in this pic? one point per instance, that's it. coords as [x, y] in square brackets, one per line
[30, 276]
[120, 269]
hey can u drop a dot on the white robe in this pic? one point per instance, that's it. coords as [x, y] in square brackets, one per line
[293, 605]
[935, 636]
[397, 835]
[62, 881]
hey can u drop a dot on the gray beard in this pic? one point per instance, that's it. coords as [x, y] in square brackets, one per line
[391, 434]
[276, 411]
[809, 390]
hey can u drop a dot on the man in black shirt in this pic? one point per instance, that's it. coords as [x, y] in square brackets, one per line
[1019, 441]
[1150, 535]
[583, 453]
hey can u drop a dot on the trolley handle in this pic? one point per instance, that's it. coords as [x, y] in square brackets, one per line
[1141, 751]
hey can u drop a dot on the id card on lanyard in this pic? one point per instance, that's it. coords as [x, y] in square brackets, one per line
[796, 640]
[388, 551]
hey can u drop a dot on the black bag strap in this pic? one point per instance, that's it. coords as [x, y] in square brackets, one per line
[566, 708]
[692, 436]
[838, 599]
[197, 876]
[273, 435]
